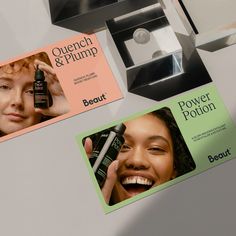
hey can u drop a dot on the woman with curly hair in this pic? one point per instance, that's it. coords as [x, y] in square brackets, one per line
[154, 152]
[17, 109]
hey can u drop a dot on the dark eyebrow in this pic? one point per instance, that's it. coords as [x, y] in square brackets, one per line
[158, 137]
[151, 138]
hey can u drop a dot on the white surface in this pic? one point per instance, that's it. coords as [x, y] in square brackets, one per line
[162, 39]
[49, 192]
[211, 14]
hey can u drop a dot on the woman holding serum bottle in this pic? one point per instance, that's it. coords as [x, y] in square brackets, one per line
[17, 108]
[153, 153]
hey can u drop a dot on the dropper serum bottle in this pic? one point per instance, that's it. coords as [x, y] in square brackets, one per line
[40, 90]
[106, 151]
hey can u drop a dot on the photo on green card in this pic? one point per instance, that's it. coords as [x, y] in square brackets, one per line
[136, 155]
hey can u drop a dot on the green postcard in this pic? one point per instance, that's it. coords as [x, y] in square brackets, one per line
[131, 158]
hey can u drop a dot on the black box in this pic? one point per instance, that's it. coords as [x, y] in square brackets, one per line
[90, 15]
[154, 61]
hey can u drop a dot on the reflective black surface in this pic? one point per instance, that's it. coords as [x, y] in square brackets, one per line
[71, 8]
[194, 75]
[89, 16]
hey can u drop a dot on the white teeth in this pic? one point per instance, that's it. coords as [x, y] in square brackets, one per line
[136, 180]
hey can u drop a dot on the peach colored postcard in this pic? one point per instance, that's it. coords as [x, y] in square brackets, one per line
[54, 83]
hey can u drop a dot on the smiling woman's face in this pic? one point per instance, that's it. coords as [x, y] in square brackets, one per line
[146, 159]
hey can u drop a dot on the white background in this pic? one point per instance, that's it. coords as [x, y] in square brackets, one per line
[222, 12]
[45, 189]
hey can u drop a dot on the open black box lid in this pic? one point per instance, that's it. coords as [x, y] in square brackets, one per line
[90, 15]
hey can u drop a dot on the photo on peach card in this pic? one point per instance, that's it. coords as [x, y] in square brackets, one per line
[54, 83]
[30, 93]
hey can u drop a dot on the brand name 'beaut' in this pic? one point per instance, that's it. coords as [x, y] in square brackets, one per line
[74, 52]
[219, 156]
[92, 101]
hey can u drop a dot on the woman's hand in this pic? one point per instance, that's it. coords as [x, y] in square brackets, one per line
[60, 105]
[111, 172]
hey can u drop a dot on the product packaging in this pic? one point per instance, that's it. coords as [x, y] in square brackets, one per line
[90, 15]
[106, 151]
[40, 88]
[155, 61]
